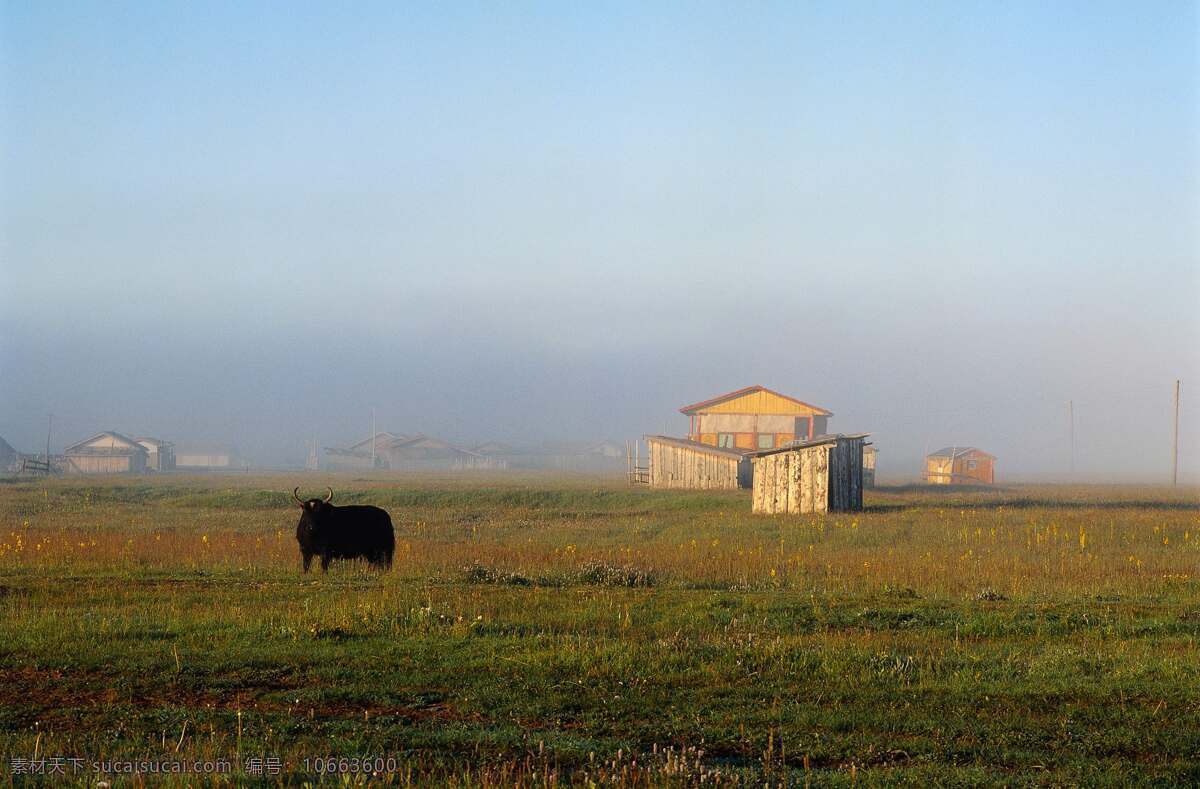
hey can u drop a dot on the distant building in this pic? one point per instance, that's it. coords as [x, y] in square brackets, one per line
[207, 459]
[503, 456]
[723, 432]
[160, 455]
[607, 450]
[9, 459]
[821, 475]
[363, 455]
[405, 453]
[579, 457]
[601, 458]
[869, 453]
[105, 453]
[960, 466]
[754, 418]
[496, 448]
[426, 453]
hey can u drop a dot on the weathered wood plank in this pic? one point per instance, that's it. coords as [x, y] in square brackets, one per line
[777, 475]
[821, 481]
[793, 482]
[756, 488]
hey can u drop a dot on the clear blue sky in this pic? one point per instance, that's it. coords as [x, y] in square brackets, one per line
[254, 222]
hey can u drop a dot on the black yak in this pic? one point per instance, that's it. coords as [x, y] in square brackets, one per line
[355, 532]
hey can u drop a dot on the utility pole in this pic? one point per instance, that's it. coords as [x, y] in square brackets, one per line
[1071, 419]
[1175, 444]
[49, 427]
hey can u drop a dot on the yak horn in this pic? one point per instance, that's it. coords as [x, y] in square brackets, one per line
[296, 496]
[329, 498]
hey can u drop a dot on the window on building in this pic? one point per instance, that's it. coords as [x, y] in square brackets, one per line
[766, 440]
[725, 440]
[971, 464]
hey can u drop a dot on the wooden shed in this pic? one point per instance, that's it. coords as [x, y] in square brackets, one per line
[960, 466]
[105, 453]
[680, 463]
[821, 475]
[214, 458]
[754, 418]
[160, 455]
[869, 453]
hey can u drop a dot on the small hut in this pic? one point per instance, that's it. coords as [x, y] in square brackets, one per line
[160, 455]
[960, 466]
[106, 453]
[679, 463]
[869, 453]
[821, 475]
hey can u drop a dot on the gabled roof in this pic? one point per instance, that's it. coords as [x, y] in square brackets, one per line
[346, 452]
[422, 441]
[417, 439]
[493, 448]
[832, 438]
[958, 452]
[694, 407]
[119, 445]
[157, 442]
[380, 438]
[708, 449]
[605, 448]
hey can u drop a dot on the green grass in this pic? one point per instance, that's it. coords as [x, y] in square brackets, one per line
[561, 630]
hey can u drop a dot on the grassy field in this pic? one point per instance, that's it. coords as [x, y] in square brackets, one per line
[540, 630]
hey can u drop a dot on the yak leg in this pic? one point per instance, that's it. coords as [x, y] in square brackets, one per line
[325, 562]
[307, 560]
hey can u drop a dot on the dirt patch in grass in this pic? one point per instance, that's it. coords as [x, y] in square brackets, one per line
[62, 698]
